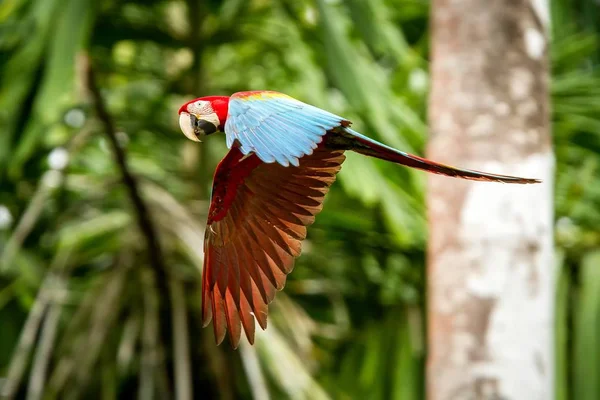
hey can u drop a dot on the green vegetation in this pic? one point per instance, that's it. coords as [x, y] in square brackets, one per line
[83, 311]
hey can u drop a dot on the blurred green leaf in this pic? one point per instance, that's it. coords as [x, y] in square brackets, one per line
[73, 25]
[587, 327]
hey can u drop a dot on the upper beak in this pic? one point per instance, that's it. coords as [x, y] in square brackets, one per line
[185, 123]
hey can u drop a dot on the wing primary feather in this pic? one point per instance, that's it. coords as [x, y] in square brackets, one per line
[275, 199]
[281, 259]
[283, 194]
[285, 241]
[292, 228]
[233, 320]
[255, 276]
[206, 292]
[234, 276]
[219, 319]
[215, 253]
[309, 196]
[297, 213]
[298, 189]
[253, 271]
[260, 313]
[223, 269]
[259, 256]
[247, 318]
[246, 299]
[251, 259]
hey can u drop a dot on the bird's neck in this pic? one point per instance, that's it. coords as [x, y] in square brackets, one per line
[220, 105]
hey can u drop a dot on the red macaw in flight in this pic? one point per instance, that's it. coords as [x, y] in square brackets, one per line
[284, 155]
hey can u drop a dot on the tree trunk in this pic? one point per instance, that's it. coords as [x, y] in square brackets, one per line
[491, 272]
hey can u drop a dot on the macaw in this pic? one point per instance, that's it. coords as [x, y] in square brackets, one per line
[284, 156]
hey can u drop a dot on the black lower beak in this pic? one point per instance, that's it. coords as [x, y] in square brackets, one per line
[202, 127]
[207, 127]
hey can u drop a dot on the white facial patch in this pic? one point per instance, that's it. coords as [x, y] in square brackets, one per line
[202, 109]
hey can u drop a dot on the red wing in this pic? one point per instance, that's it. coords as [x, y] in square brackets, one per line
[257, 220]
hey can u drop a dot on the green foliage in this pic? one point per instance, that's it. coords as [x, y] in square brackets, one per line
[80, 309]
[575, 83]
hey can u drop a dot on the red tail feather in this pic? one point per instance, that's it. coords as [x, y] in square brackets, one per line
[370, 147]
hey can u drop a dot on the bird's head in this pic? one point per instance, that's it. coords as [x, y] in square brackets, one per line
[203, 116]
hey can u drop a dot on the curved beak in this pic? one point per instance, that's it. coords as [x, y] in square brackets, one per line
[187, 127]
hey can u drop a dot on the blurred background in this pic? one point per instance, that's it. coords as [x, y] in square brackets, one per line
[84, 311]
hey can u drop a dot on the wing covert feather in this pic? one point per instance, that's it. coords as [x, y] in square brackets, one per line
[277, 127]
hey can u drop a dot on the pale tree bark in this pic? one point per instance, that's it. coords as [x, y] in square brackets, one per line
[490, 271]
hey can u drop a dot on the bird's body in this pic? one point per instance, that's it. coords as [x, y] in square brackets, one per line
[284, 155]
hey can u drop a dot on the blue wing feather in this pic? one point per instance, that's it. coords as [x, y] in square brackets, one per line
[276, 127]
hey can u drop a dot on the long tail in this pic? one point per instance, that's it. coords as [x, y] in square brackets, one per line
[372, 148]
